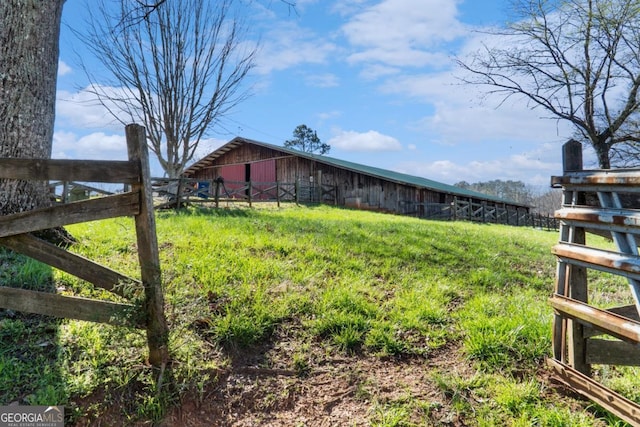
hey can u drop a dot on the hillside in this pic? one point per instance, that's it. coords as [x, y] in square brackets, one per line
[308, 316]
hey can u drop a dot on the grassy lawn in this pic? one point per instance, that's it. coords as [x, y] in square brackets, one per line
[300, 292]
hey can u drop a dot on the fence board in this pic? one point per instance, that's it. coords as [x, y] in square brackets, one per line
[70, 307]
[610, 323]
[626, 218]
[601, 221]
[597, 259]
[615, 403]
[628, 311]
[56, 216]
[608, 352]
[71, 263]
[610, 177]
[70, 170]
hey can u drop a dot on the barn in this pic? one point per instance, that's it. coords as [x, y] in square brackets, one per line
[326, 179]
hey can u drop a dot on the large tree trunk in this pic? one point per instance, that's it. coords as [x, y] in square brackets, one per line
[29, 34]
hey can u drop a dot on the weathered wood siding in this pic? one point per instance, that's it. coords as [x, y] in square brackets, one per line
[353, 188]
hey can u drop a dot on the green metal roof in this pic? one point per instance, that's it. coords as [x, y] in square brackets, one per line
[385, 174]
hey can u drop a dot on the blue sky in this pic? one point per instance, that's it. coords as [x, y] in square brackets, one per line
[375, 78]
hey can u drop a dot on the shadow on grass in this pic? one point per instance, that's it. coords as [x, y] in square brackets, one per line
[29, 369]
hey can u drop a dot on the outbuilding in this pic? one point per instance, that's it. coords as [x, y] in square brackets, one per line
[344, 183]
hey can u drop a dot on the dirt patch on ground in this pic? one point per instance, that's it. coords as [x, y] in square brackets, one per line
[335, 390]
[264, 386]
[295, 380]
[339, 390]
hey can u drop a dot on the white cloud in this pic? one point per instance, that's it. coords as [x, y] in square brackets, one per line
[375, 71]
[83, 110]
[289, 46]
[465, 114]
[63, 142]
[439, 170]
[301, 4]
[347, 7]
[530, 168]
[94, 146]
[401, 33]
[400, 58]
[63, 68]
[327, 115]
[516, 167]
[323, 80]
[364, 141]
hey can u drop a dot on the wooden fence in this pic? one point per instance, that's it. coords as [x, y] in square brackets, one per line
[601, 202]
[15, 234]
[218, 190]
[75, 191]
[193, 191]
[483, 212]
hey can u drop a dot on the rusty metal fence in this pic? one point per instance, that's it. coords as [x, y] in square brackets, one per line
[598, 202]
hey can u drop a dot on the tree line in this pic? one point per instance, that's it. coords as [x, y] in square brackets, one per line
[544, 202]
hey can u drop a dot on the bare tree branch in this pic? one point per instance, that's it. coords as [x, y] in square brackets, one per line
[577, 59]
[179, 70]
[144, 9]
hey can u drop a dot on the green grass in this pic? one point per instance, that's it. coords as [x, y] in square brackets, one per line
[355, 283]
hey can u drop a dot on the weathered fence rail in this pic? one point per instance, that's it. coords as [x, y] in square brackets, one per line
[463, 210]
[219, 191]
[74, 191]
[15, 234]
[597, 202]
[198, 191]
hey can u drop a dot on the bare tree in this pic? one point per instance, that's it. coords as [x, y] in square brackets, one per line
[29, 47]
[514, 191]
[579, 60]
[547, 202]
[178, 70]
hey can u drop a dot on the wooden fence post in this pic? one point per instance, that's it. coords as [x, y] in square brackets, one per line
[65, 192]
[179, 194]
[157, 329]
[217, 193]
[572, 156]
[576, 287]
[454, 208]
